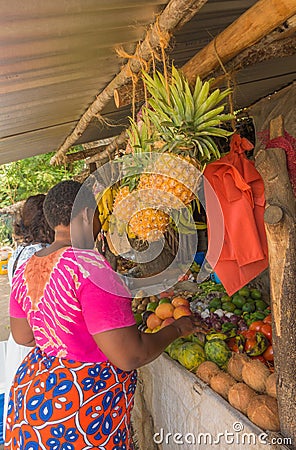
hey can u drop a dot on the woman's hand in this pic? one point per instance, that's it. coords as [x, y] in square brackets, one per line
[185, 325]
[129, 349]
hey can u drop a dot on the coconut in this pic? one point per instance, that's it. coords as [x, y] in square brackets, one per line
[235, 365]
[207, 370]
[240, 395]
[270, 385]
[263, 412]
[221, 383]
[254, 374]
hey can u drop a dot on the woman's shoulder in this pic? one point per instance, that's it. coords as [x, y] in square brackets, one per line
[85, 258]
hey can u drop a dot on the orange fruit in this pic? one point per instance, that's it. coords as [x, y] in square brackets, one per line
[180, 301]
[165, 310]
[153, 321]
[181, 311]
[167, 322]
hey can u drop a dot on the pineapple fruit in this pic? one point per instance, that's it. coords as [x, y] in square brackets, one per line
[170, 148]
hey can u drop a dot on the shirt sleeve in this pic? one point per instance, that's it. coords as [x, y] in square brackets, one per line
[15, 310]
[104, 311]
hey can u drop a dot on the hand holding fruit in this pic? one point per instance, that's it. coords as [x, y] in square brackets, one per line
[186, 325]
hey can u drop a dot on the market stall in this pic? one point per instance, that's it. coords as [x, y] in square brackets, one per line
[190, 179]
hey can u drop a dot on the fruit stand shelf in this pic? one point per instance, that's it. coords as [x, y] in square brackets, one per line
[171, 400]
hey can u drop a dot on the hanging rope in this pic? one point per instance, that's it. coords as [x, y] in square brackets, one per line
[230, 85]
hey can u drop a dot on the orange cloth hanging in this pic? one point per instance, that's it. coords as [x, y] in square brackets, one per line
[240, 191]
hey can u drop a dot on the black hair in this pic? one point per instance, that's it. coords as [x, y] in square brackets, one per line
[65, 200]
[32, 227]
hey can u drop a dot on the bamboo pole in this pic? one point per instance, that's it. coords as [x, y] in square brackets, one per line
[176, 12]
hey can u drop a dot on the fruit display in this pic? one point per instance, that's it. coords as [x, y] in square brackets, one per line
[231, 350]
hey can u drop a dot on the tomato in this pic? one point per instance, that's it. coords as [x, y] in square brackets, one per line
[232, 344]
[250, 344]
[267, 331]
[267, 319]
[249, 334]
[256, 325]
[268, 354]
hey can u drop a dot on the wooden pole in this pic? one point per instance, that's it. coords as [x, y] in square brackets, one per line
[83, 154]
[280, 216]
[277, 44]
[259, 20]
[176, 12]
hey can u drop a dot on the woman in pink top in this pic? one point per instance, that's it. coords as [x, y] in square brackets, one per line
[75, 388]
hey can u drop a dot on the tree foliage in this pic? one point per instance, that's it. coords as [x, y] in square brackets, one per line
[30, 176]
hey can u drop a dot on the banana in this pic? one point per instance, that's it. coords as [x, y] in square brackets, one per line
[107, 200]
[200, 225]
[100, 207]
[130, 233]
[105, 224]
[185, 226]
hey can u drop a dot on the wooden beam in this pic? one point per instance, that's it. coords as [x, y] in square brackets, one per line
[83, 154]
[117, 143]
[280, 216]
[259, 20]
[277, 44]
[175, 12]
[269, 47]
[262, 51]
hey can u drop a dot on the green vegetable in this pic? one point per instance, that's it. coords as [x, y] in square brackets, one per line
[218, 352]
[237, 312]
[174, 348]
[138, 318]
[244, 292]
[255, 294]
[257, 315]
[215, 303]
[248, 307]
[261, 305]
[225, 298]
[238, 300]
[227, 306]
[152, 306]
[191, 355]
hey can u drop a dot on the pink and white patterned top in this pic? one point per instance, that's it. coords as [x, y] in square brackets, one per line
[67, 297]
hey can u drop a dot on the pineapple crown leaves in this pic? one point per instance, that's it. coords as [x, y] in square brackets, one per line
[141, 142]
[139, 136]
[185, 118]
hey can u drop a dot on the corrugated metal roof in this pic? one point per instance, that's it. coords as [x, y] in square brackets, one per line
[57, 56]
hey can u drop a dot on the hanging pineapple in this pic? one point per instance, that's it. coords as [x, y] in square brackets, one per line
[184, 123]
[138, 212]
[170, 148]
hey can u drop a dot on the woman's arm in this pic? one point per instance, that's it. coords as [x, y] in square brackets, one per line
[22, 332]
[128, 348]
